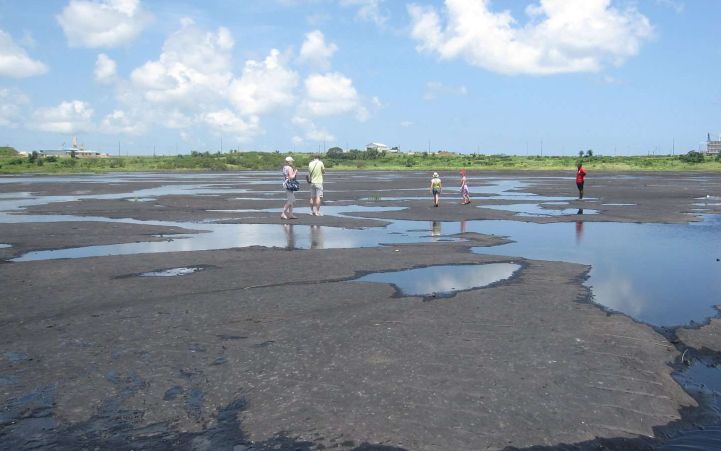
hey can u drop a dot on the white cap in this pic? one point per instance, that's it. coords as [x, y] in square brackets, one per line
[435, 174]
[288, 159]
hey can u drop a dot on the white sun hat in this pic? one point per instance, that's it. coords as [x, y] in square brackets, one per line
[288, 159]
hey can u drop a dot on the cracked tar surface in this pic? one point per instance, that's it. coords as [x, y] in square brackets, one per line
[270, 349]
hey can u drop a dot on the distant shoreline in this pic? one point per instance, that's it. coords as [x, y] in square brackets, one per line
[11, 163]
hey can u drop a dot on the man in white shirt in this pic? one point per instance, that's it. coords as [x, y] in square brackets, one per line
[316, 169]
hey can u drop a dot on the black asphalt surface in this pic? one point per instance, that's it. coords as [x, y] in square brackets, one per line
[270, 348]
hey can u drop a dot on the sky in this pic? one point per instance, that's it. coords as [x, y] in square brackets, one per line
[550, 77]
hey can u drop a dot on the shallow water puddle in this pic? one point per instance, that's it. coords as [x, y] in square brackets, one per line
[703, 382]
[171, 272]
[326, 210]
[443, 280]
[226, 236]
[539, 210]
[661, 274]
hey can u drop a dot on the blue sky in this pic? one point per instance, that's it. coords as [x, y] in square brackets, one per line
[489, 76]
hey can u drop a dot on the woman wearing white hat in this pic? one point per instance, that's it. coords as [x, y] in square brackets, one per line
[291, 186]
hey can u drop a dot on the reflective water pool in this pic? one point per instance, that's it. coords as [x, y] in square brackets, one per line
[662, 274]
[443, 280]
[540, 210]
[171, 272]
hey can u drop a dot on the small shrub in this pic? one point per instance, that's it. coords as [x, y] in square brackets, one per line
[692, 157]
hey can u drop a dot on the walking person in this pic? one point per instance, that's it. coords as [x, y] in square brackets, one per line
[464, 189]
[436, 189]
[291, 186]
[580, 179]
[316, 169]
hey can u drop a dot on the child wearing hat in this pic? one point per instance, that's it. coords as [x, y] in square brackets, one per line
[436, 189]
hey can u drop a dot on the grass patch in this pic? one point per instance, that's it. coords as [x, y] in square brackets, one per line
[11, 162]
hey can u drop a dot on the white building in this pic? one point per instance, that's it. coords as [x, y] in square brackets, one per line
[378, 146]
[713, 147]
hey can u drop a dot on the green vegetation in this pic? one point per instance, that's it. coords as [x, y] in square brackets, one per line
[7, 152]
[12, 162]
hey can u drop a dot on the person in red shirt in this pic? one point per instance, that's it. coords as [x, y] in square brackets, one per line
[580, 175]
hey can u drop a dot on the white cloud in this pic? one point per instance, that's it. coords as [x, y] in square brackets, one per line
[677, 6]
[12, 106]
[172, 118]
[28, 40]
[315, 51]
[406, 124]
[191, 84]
[264, 86]
[330, 94]
[185, 136]
[103, 23]
[318, 19]
[105, 69]
[193, 69]
[435, 89]
[228, 122]
[119, 122]
[368, 10]
[311, 131]
[68, 117]
[14, 60]
[560, 37]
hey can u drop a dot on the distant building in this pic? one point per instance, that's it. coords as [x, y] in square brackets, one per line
[377, 146]
[77, 150]
[713, 147]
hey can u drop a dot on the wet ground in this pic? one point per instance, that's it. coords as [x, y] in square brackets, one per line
[178, 311]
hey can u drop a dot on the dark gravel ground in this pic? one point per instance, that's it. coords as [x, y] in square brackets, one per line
[269, 349]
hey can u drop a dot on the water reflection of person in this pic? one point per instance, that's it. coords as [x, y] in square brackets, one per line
[316, 237]
[436, 228]
[289, 236]
[579, 227]
[463, 226]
